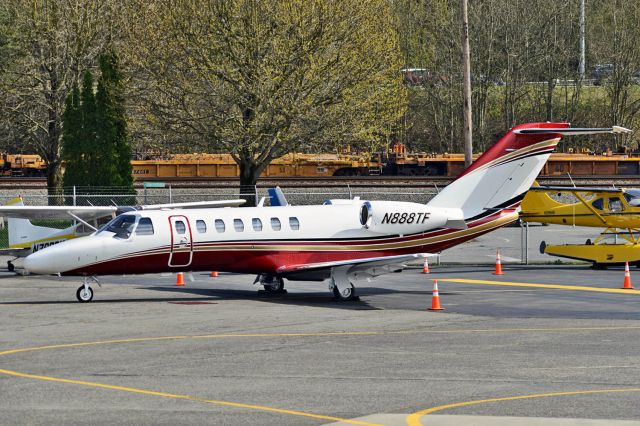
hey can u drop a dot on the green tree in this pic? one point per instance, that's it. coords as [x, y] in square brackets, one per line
[112, 137]
[75, 173]
[87, 134]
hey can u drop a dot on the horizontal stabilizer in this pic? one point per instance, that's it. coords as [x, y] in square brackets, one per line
[573, 131]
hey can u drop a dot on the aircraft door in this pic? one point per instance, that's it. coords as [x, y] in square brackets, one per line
[181, 242]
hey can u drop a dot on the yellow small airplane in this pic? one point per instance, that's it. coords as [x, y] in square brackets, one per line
[615, 209]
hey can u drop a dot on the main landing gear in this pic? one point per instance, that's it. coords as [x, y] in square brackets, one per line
[341, 286]
[84, 294]
[271, 283]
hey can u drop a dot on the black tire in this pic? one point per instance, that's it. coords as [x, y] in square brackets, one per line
[543, 247]
[84, 296]
[346, 295]
[276, 285]
[10, 266]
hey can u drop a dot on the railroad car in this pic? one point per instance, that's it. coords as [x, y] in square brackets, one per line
[394, 163]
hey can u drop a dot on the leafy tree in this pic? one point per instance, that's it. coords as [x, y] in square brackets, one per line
[113, 137]
[261, 79]
[95, 143]
[75, 173]
[88, 132]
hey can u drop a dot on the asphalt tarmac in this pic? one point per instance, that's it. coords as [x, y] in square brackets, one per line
[544, 344]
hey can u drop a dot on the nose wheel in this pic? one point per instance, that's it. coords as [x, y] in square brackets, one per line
[84, 293]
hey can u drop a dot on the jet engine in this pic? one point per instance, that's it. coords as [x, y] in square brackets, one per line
[393, 217]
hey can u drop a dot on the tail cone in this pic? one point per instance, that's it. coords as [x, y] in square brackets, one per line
[435, 298]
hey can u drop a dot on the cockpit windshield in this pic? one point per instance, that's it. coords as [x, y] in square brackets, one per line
[122, 226]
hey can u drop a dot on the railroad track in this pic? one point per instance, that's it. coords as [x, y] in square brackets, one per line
[341, 182]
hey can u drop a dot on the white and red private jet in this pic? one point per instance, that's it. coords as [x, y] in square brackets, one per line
[342, 241]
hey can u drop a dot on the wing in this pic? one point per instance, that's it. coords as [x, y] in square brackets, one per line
[573, 189]
[195, 205]
[371, 267]
[58, 212]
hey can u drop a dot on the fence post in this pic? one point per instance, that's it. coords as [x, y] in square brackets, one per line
[74, 195]
[524, 242]
[170, 195]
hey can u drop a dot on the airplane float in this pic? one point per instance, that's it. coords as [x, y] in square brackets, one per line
[342, 241]
[615, 209]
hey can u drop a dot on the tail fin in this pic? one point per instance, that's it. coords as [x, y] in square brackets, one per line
[23, 234]
[501, 176]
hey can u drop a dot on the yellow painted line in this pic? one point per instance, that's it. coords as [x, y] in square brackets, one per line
[535, 285]
[414, 419]
[264, 335]
[187, 397]
[321, 334]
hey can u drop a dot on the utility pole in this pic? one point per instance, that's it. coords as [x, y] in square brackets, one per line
[582, 46]
[466, 86]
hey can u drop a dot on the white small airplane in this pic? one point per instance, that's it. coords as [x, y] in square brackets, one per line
[343, 240]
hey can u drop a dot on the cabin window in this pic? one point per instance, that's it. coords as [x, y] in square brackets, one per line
[257, 224]
[275, 224]
[598, 204]
[294, 223]
[238, 225]
[180, 227]
[219, 225]
[615, 205]
[201, 226]
[145, 226]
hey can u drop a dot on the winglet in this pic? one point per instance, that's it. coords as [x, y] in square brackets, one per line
[277, 197]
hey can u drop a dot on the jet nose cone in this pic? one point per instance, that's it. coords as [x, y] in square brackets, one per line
[37, 263]
[50, 260]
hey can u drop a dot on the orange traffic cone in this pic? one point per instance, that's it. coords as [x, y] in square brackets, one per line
[425, 268]
[627, 277]
[435, 298]
[214, 274]
[180, 279]
[498, 265]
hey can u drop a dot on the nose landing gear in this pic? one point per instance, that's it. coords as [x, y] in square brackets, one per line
[84, 294]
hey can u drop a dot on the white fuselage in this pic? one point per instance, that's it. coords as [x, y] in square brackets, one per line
[196, 239]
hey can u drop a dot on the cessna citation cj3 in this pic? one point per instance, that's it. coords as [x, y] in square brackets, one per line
[342, 241]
